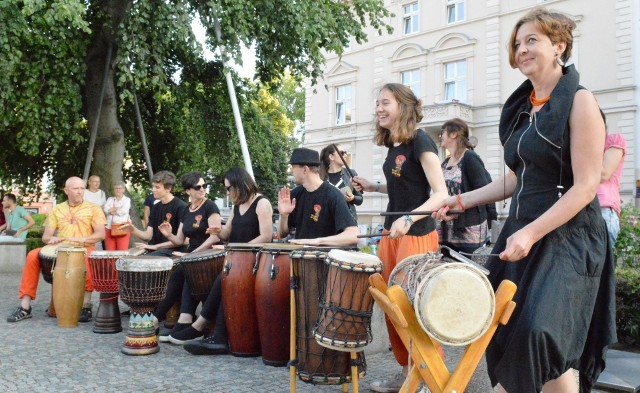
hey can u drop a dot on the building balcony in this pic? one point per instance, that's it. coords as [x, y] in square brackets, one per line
[435, 115]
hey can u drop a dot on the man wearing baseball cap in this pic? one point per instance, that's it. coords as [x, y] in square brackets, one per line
[315, 208]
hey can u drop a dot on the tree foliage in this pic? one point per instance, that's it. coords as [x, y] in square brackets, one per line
[53, 53]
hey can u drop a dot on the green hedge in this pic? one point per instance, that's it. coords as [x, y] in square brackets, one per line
[627, 305]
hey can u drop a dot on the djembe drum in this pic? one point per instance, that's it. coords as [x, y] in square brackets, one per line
[69, 275]
[47, 256]
[315, 364]
[411, 270]
[142, 283]
[200, 270]
[272, 302]
[238, 298]
[346, 305]
[105, 280]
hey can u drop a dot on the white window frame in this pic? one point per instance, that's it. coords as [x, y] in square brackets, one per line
[455, 8]
[344, 107]
[455, 82]
[411, 18]
[411, 79]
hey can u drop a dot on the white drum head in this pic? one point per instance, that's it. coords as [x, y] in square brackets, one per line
[455, 303]
[10, 239]
[144, 264]
[107, 254]
[354, 260]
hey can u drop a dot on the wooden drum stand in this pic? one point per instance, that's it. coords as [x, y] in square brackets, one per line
[427, 365]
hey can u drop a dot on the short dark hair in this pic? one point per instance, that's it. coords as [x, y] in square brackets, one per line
[243, 184]
[11, 196]
[166, 178]
[190, 180]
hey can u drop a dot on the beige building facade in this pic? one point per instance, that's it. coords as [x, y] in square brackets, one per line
[453, 54]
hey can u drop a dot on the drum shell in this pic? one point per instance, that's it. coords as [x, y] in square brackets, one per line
[272, 306]
[68, 285]
[47, 256]
[238, 297]
[142, 290]
[103, 270]
[200, 271]
[316, 364]
[344, 322]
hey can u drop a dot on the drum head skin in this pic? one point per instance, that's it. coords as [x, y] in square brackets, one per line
[455, 303]
[144, 264]
[243, 246]
[108, 254]
[50, 250]
[354, 260]
[202, 255]
[280, 248]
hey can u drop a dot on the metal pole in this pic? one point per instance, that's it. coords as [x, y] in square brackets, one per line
[143, 139]
[234, 101]
[95, 122]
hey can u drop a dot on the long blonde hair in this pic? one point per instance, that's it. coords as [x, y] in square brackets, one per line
[410, 116]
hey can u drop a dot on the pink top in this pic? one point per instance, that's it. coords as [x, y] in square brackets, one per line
[609, 191]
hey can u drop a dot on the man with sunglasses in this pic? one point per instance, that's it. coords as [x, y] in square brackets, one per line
[169, 209]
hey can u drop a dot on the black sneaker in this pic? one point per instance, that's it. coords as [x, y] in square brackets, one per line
[163, 337]
[206, 346]
[85, 314]
[20, 314]
[185, 335]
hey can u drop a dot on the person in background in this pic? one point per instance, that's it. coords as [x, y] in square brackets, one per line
[2, 219]
[148, 203]
[554, 244]
[615, 148]
[18, 219]
[464, 171]
[117, 211]
[333, 171]
[414, 182]
[94, 194]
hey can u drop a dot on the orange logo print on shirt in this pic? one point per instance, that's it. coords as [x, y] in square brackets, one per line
[397, 171]
[317, 209]
[197, 223]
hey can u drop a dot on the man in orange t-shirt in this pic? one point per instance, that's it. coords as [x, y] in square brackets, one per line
[74, 223]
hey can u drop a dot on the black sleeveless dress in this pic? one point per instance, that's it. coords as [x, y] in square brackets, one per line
[565, 302]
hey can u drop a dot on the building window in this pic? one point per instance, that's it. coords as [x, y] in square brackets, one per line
[455, 81]
[455, 11]
[411, 79]
[411, 17]
[343, 105]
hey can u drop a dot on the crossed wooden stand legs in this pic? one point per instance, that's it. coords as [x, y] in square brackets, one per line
[427, 365]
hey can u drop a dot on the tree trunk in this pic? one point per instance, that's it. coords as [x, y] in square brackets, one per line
[109, 147]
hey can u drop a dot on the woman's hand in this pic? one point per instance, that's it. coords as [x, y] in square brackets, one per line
[178, 254]
[144, 246]
[399, 228]
[306, 242]
[450, 203]
[348, 194]
[361, 184]
[113, 210]
[213, 230]
[518, 245]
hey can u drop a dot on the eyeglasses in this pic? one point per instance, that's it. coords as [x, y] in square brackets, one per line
[228, 188]
[200, 187]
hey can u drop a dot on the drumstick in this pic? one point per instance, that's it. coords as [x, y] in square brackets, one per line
[343, 160]
[373, 235]
[421, 213]
[447, 251]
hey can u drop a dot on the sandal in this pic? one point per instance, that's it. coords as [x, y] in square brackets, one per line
[20, 314]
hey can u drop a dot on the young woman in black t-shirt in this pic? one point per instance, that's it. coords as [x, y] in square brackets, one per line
[249, 222]
[414, 182]
[332, 170]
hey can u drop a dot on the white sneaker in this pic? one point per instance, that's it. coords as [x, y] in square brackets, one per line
[389, 385]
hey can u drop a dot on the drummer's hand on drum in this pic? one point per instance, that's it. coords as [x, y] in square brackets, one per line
[285, 203]
[165, 228]
[305, 242]
[55, 240]
[360, 183]
[217, 247]
[399, 228]
[213, 230]
[145, 246]
[518, 245]
[178, 254]
[450, 203]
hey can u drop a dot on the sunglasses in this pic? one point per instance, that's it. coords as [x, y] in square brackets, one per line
[200, 187]
[228, 188]
[343, 152]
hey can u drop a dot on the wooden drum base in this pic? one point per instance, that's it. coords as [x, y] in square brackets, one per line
[108, 315]
[141, 336]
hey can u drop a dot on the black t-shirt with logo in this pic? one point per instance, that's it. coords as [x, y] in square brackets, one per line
[320, 213]
[160, 212]
[407, 185]
[194, 224]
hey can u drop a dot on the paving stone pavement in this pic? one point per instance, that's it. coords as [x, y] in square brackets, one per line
[38, 356]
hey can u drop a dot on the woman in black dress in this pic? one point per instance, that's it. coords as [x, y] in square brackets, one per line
[554, 243]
